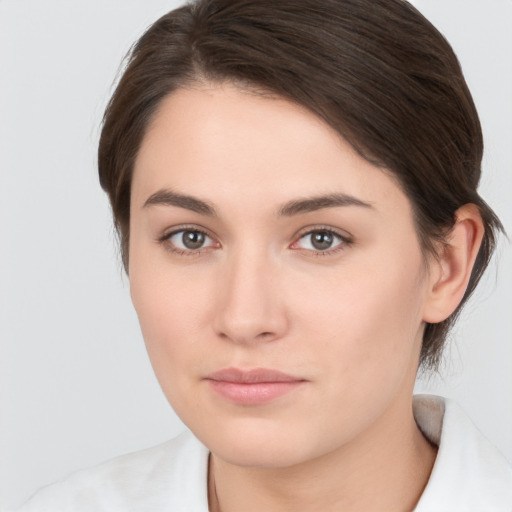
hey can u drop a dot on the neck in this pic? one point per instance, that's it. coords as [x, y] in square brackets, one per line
[385, 468]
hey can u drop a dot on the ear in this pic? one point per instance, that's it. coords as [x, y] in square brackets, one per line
[450, 271]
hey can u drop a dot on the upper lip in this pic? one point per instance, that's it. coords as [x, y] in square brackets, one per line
[253, 376]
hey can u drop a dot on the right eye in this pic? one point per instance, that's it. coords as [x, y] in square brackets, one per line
[188, 241]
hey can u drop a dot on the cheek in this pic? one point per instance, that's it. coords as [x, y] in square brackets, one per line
[367, 320]
[170, 306]
[170, 324]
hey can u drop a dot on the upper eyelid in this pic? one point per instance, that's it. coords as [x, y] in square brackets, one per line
[177, 229]
[311, 229]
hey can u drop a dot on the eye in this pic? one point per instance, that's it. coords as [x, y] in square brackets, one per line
[188, 241]
[320, 240]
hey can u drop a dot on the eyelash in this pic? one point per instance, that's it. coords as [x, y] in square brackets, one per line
[345, 241]
[181, 252]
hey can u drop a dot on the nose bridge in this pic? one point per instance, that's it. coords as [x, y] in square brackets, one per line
[250, 306]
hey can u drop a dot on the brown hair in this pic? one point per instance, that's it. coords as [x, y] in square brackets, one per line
[375, 70]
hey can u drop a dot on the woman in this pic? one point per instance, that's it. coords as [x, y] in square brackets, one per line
[294, 185]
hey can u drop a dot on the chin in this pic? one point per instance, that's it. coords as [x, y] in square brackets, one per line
[254, 456]
[259, 443]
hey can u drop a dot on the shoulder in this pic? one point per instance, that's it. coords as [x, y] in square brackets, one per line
[469, 474]
[172, 474]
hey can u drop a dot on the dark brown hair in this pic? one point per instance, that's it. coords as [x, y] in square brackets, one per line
[375, 70]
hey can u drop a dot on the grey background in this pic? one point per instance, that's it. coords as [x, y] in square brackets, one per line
[76, 384]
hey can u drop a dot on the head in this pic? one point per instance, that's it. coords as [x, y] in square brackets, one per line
[373, 79]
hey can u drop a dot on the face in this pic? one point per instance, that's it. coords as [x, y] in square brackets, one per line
[277, 276]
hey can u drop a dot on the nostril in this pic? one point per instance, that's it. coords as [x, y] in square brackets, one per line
[239, 337]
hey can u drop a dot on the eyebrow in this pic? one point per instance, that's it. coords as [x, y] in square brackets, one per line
[167, 197]
[311, 204]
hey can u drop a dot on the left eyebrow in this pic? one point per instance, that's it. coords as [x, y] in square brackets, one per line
[311, 204]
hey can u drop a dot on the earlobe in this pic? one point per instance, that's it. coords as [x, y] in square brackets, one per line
[451, 271]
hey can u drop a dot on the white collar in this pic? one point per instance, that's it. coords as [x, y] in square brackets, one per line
[469, 474]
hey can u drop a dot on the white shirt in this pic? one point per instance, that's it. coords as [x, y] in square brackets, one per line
[469, 473]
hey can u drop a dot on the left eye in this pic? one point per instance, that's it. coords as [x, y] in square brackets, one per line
[320, 240]
[189, 240]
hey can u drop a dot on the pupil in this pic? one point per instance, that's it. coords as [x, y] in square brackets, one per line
[322, 240]
[193, 239]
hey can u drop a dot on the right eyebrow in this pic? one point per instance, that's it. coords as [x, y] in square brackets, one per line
[167, 197]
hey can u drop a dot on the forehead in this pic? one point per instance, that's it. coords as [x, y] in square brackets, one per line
[228, 145]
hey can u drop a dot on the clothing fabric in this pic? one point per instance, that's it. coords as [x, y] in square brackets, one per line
[469, 474]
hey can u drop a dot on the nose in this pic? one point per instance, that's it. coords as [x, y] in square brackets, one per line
[250, 306]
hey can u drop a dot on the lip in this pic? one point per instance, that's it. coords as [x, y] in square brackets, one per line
[252, 387]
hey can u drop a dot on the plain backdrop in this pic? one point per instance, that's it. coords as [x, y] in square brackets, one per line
[77, 386]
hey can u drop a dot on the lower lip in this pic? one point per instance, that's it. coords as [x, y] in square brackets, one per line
[254, 393]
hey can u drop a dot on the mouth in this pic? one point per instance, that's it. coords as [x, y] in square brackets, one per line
[252, 387]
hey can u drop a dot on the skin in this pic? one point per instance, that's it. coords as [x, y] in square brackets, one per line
[347, 320]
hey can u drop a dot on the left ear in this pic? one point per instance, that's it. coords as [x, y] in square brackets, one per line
[450, 272]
